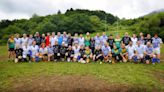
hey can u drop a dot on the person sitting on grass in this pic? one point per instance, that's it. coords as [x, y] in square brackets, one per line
[130, 49]
[97, 54]
[135, 57]
[50, 53]
[155, 59]
[106, 51]
[34, 51]
[76, 49]
[81, 53]
[43, 52]
[116, 54]
[56, 51]
[18, 52]
[69, 54]
[148, 52]
[124, 53]
[63, 50]
[11, 47]
[25, 52]
[88, 54]
[140, 51]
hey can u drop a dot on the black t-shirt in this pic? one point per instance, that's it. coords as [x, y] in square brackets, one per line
[82, 52]
[56, 48]
[148, 40]
[19, 52]
[111, 42]
[70, 52]
[97, 52]
[70, 41]
[126, 40]
[38, 40]
[63, 50]
[92, 43]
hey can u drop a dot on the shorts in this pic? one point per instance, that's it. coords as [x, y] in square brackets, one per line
[139, 56]
[11, 49]
[75, 56]
[156, 51]
[130, 56]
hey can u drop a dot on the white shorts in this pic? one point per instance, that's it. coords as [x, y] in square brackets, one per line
[139, 56]
[156, 51]
[130, 56]
[76, 55]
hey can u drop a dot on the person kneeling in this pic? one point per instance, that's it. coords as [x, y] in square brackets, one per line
[97, 54]
[88, 54]
[18, 52]
[116, 54]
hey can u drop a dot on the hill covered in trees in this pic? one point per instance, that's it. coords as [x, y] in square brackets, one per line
[82, 21]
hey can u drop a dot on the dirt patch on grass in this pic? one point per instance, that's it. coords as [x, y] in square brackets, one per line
[67, 83]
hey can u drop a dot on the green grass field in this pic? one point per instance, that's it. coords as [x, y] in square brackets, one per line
[137, 77]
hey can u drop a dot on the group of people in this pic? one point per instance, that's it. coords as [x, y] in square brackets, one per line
[77, 48]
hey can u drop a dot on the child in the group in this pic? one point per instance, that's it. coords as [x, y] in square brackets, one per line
[116, 53]
[63, 50]
[56, 51]
[69, 54]
[106, 51]
[97, 54]
[18, 52]
[124, 53]
[76, 49]
[34, 49]
[43, 52]
[148, 52]
[88, 54]
[50, 53]
[81, 53]
[131, 50]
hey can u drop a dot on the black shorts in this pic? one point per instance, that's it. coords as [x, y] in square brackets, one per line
[11, 49]
[45, 55]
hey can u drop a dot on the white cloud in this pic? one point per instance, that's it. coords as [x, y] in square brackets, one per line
[11, 9]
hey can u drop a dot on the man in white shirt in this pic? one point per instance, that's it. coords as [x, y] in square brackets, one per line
[53, 39]
[131, 49]
[24, 39]
[17, 40]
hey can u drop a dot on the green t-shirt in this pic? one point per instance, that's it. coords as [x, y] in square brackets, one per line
[87, 41]
[117, 42]
[11, 43]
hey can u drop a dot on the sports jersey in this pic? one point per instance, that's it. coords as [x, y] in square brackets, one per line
[53, 40]
[81, 40]
[97, 40]
[70, 52]
[126, 40]
[38, 40]
[29, 42]
[106, 50]
[65, 37]
[17, 41]
[148, 40]
[103, 39]
[134, 41]
[75, 40]
[87, 41]
[24, 41]
[156, 42]
[43, 50]
[87, 52]
[69, 41]
[82, 52]
[123, 50]
[56, 48]
[117, 42]
[50, 50]
[149, 50]
[34, 50]
[63, 50]
[97, 52]
[116, 51]
[11, 43]
[76, 50]
[130, 50]
[47, 39]
[92, 43]
[111, 42]
[140, 49]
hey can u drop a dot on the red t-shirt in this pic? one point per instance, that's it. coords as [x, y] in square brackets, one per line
[47, 40]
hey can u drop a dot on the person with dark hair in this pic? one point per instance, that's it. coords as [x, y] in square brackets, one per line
[56, 51]
[110, 41]
[126, 39]
[37, 38]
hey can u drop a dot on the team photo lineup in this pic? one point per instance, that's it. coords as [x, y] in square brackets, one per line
[64, 47]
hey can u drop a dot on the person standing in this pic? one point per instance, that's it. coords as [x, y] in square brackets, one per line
[11, 47]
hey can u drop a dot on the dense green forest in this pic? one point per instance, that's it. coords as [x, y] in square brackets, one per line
[82, 21]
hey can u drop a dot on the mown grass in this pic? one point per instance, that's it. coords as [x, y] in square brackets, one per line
[141, 76]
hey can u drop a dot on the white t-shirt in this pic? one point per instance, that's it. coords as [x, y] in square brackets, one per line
[131, 50]
[134, 40]
[140, 49]
[24, 41]
[81, 41]
[25, 51]
[43, 50]
[17, 41]
[53, 40]
[34, 49]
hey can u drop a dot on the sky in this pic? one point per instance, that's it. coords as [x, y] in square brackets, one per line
[20, 9]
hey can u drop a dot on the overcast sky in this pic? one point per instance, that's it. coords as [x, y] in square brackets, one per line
[18, 9]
